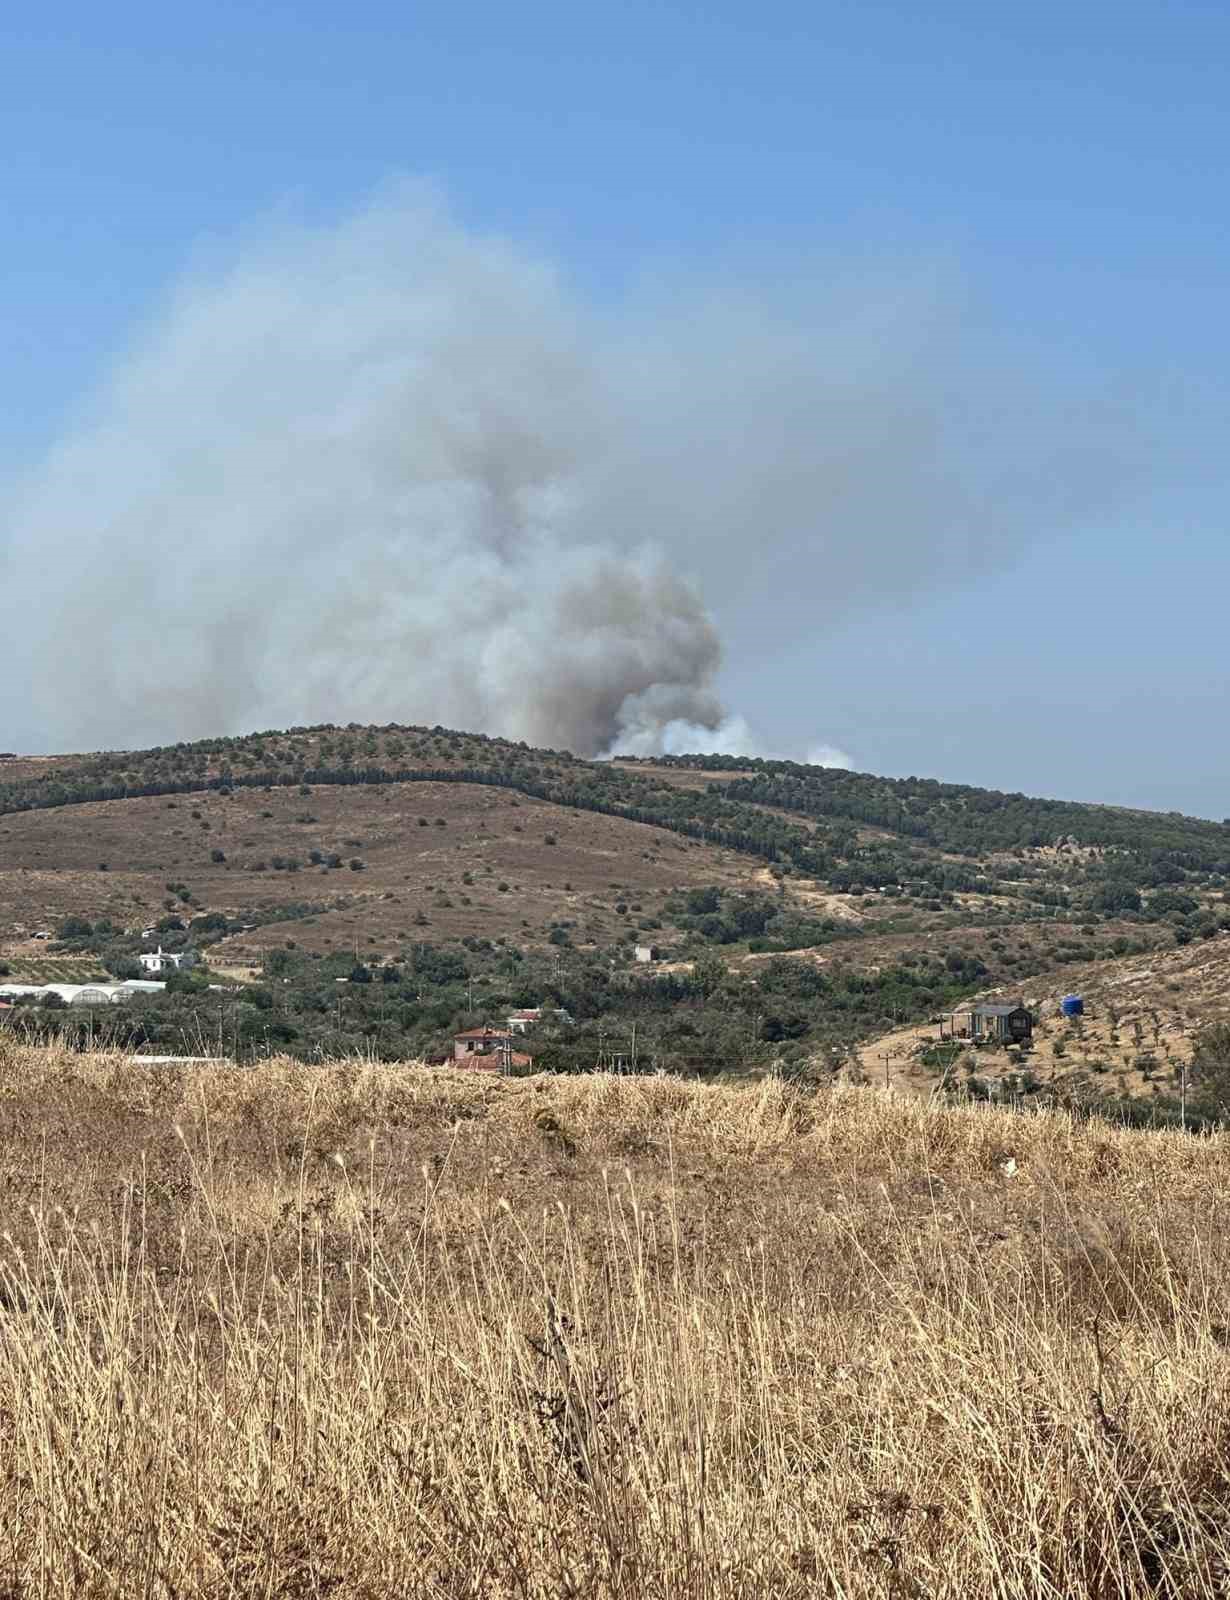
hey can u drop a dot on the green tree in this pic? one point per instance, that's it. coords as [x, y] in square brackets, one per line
[1211, 1072]
[709, 973]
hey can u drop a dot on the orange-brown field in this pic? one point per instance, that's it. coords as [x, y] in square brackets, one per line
[357, 1331]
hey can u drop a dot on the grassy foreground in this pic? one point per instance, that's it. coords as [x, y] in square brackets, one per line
[357, 1331]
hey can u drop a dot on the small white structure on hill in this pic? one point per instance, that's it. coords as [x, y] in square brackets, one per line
[161, 960]
[645, 952]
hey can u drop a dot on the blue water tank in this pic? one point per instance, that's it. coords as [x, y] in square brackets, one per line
[1072, 1005]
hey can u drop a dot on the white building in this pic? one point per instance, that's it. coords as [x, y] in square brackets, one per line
[161, 960]
[645, 952]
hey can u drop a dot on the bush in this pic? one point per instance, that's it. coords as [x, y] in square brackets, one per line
[1114, 898]
[186, 982]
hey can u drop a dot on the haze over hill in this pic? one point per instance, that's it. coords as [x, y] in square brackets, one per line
[395, 467]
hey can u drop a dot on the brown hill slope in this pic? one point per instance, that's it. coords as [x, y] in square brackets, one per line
[416, 845]
[890, 898]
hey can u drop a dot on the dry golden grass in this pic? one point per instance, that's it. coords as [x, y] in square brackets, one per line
[358, 1331]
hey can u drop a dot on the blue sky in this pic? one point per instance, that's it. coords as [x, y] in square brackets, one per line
[1061, 165]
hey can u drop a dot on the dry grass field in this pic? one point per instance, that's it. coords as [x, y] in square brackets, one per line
[373, 1332]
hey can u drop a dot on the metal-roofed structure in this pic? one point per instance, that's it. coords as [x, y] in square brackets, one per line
[986, 1021]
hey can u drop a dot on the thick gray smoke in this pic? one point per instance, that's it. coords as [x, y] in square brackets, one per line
[392, 471]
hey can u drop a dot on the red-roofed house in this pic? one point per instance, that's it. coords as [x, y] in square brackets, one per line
[488, 1050]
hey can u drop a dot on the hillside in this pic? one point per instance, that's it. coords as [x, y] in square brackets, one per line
[115, 858]
[366, 1331]
[796, 910]
[1143, 1019]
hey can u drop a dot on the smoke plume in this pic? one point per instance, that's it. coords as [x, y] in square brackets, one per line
[390, 470]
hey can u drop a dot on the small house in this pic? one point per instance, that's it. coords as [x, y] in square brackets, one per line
[983, 1022]
[488, 1050]
[161, 960]
[645, 952]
